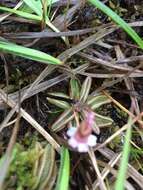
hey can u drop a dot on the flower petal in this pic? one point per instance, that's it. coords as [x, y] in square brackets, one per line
[92, 140]
[82, 147]
[72, 142]
[71, 131]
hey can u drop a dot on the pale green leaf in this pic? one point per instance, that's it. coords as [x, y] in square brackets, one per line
[59, 94]
[47, 167]
[63, 119]
[85, 89]
[97, 101]
[102, 121]
[59, 103]
[75, 89]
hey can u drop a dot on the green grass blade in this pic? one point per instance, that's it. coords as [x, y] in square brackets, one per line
[21, 13]
[64, 172]
[28, 53]
[37, 9]
[36, 6]
[118, 20]
[124, 162]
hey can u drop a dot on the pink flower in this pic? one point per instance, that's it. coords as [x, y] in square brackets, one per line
[81, 138]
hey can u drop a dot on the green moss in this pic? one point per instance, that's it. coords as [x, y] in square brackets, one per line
[21, 168]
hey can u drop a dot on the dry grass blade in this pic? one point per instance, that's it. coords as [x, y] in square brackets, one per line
[112, 137]
[110, 75]
[41, 77]
[36, 89]
[128, 81]
[131, 172]
[128, 186]
[120, 79]
[106, 171]
[90, 40]
[46, 71]
[124, 109]
[60, 20]
[117, 133]
[4, 16]
[43, 85]
[40, 129]
[8, 156]
[30, 120]
[114, 172]
[102, 62]
[130, 59]
[85, 43]
[94, 162]
[47, 34]
[130, 86]
[10, 123]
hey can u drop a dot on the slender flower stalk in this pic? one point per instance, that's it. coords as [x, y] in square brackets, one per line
[81, 137]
